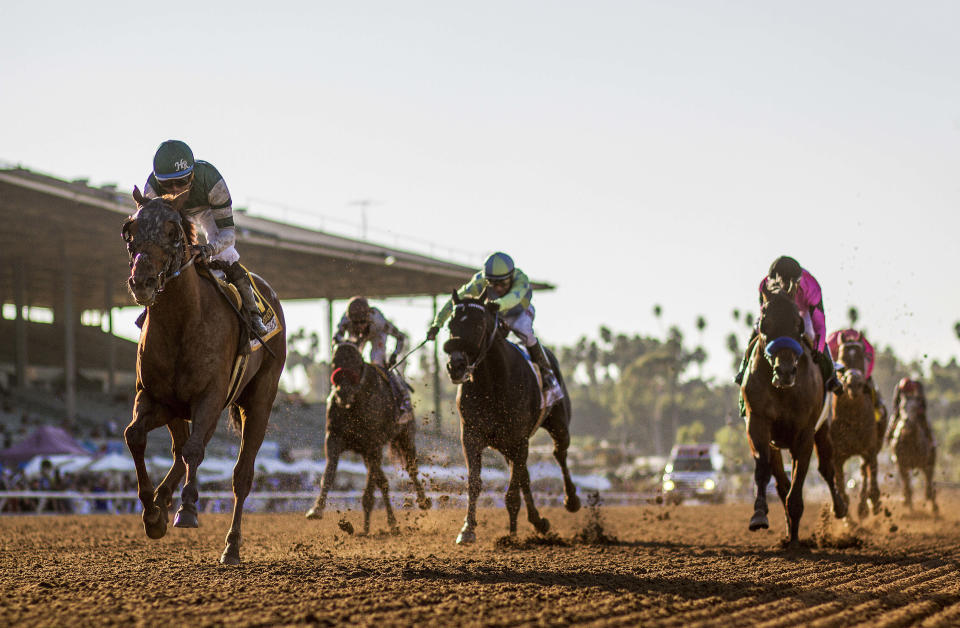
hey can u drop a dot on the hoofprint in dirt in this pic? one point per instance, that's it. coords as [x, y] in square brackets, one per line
[652, 565]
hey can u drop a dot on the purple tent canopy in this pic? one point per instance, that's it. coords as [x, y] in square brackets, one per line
[44, 441]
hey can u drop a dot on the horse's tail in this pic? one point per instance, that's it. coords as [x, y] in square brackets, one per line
[236, 419]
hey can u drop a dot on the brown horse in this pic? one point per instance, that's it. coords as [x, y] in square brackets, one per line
[912, 449]
[188, 345]
[499, 403]
[855, 430]
[362, 417]
[784, 398]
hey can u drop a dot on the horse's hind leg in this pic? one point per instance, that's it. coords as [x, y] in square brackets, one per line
[541, 524]
[779, 475]
[512, 498]
[405, 446]
[824, 444]
[147, 415]
[801, 464]
[472, 450]
[255, 417]
[367, 499]
[381, 481]
[332, 447]
[560, 433]
[874, 494]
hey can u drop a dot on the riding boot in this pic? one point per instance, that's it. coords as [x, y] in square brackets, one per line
[404, 403]
[539, 357]
[242, 282]
[738, 380]
[825, 361]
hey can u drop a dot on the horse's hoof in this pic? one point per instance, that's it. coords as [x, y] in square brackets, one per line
[572, 503]
[466, 537]
[425, 504]
[840, 509]
[157, 528]
[230, 557]
[542, 526]
[315, 513]
[186, 519]
[759, 521]
[863, 511]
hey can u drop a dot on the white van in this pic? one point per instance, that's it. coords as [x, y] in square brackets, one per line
[694, 471]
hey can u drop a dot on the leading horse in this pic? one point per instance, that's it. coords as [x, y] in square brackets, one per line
[784, 398]
[912, 449]
[499, 401]
[188, 345]
[856, 430]
[362, 417]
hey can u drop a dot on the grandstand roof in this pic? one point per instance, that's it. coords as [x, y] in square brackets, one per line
[51, 225]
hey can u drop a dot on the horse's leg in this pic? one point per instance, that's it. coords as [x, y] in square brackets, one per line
[824, 444]
[759, 435]
[840, 477]
[147, 415]
[472, 450]
[931, 490]
[332, 447]
[204, 419]
[406, 446]
[381, 480]
[801, 463]
[512, 498]
[862, 509]
[907, 489]
[560, 433]
[874, 483]
[367, 499]
[255, 404]
[541, 524]
[779, 475]
[179, 431]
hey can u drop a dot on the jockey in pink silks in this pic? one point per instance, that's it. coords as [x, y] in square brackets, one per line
[806, 293]
[852, 336]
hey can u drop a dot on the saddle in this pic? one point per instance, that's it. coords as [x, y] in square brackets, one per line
[546, 400]
[248, 342]
[396, 383]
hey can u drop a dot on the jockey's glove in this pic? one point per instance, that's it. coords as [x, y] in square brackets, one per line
[432, 332]
[205, 251]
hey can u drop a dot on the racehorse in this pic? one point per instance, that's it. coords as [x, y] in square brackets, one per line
[188, 346]
[784, 398]
[499, 402]
[362, 417]
[913, 450]
[855, 429]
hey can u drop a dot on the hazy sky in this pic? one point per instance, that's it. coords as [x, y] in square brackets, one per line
[632, 153]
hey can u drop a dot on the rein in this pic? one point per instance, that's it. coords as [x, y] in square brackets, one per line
[468, 374]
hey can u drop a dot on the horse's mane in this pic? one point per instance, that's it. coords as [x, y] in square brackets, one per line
[188, 228]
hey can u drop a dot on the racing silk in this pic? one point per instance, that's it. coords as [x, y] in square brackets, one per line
[839, 337]
[376, 334]
[208, 207]
[809, 301]
[512, 304]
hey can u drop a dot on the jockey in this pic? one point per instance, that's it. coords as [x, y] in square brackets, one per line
[199, 193]
[361, 324]
[910, 388]
[845, 336]
[508, 287]
[806, 293]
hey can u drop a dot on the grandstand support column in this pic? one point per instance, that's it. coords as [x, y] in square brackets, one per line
[69, 341]
[330, 342]
[436, 376]
[20, 324]
[111, 344]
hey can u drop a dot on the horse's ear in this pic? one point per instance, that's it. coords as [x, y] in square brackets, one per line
[137, 196]
[455, 298]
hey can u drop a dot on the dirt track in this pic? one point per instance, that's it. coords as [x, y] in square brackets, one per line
[689, 565]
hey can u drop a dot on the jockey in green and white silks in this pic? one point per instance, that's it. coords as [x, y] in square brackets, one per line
[199, 192]
[361, 324]
[508, 287]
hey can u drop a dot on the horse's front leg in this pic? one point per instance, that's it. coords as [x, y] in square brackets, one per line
[366, 500]
[801, 464]
[147, 415]
[541, 524]
[204, 419]
[512, 497]
[179, 432]
[874, 494]
[907, 489]
[823, 441]
[759, 436]
[931, 490]
[472, 450]
[381, 480]
[332, 447]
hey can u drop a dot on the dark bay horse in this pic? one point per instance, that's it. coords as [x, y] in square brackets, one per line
[855, 429]
[912, 449]
[784, 398]
[362, 417]
[188, 345]
[499, 403]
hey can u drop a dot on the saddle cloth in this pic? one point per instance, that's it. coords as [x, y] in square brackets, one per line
[547, 399]
[270, 320]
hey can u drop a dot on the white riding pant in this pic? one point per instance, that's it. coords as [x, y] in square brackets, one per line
[522, 326]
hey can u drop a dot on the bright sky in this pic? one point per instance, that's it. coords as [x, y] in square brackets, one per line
[632, 153]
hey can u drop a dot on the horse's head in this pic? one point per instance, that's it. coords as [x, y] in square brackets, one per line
[781, 332]
[346, 373]
[851, 354]
[471, 326]
[854, 382]
[156, 240]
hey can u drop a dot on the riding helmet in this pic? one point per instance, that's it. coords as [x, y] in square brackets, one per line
[498, 267]
[358, 310]
[174, 160]
[785, 267]
[909, 386]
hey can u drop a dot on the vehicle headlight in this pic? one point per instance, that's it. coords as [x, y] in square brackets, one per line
[668, 485]
[709, 484]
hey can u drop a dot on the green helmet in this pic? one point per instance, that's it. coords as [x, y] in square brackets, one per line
[174, 160]
[498, 267]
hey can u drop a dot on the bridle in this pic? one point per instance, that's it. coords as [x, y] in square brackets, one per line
[179, 250]
[487, 345]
